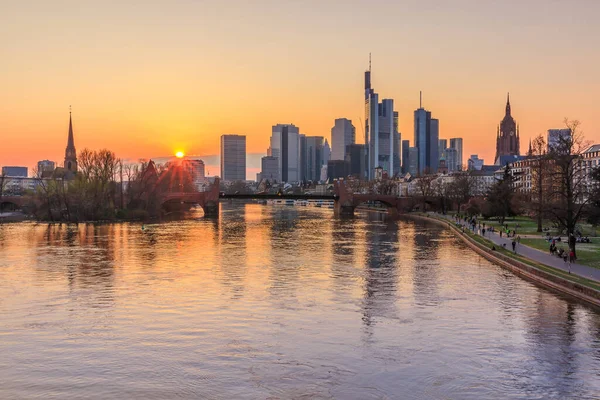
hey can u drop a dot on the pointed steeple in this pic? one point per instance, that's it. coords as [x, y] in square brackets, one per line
[508, 104]
[530, 152]
[70, 163]
[71, 141]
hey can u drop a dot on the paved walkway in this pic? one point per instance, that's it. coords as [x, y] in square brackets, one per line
[535, 254]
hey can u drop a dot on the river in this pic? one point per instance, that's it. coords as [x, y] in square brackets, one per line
[279, 303]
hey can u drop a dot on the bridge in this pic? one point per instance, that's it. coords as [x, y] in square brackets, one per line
[345, 202]
[12, 203]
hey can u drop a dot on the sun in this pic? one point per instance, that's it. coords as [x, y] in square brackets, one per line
[179, 154]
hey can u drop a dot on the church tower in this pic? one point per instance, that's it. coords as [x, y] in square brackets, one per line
[507, 136]
[70, 163]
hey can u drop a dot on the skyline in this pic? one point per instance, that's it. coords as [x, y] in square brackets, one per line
[155, 83]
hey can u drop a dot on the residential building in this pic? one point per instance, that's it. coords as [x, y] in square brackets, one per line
[457, 144]
[343, 134]
[233, 157]
[45, 168]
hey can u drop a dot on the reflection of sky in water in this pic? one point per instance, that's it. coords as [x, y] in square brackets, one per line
[279, 302]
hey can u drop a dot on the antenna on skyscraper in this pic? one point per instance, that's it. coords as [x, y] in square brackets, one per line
[369, 62]
[420, 99]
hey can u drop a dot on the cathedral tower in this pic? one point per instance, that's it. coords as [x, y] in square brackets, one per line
[507, 137]
[70, 163]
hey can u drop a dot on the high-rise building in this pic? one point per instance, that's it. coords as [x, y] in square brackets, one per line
[451, 157]
[233, 157]
[337, 169]
[507, 137]
[355, 155]
[285, 145]
[443, 145]
[555, 135]
[70, 163]
[457, 144]
[413, 161]
[269, 169]
[405, 147]
[382, 139]
[475, 163]
[312, 158]
[14, 172]
[326, 152]
[426, 140]
[45, 168]
[343, 134]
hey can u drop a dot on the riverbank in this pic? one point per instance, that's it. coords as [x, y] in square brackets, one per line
[579, 287]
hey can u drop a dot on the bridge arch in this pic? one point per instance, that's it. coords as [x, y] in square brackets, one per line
[7, 205]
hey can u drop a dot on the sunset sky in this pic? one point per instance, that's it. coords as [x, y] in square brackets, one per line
[146, 78]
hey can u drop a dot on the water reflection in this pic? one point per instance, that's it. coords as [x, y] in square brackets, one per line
[279, 302]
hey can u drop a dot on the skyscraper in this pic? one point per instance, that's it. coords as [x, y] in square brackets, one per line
[413, 161]
[70, 163]
[269, 169]
[457, 143]
[343, 134]
[451, 157]
[312, 158]
[326, 153]
[233, 157]
[355, 155]
[507, 137]
[443, 145]
[405, 147]
[426, 140]
[387, 136]
[285, 145]
[371, 125]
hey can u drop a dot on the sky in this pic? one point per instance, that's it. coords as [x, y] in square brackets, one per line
[147, 78]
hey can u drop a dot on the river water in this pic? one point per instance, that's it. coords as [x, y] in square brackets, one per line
[279, 303]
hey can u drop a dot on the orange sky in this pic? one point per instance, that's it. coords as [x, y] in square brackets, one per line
[146, 78]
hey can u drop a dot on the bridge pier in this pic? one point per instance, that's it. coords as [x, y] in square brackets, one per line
[343, 209]
[211, 209]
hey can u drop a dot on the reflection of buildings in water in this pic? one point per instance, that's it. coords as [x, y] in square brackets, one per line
[343, 242]
[551, 325]
[426, 264]
[381, 272]
[231, 248]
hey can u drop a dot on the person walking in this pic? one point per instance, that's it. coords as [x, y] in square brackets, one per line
[483, 232]
[514, 246]
[500, 233]
[571, 259]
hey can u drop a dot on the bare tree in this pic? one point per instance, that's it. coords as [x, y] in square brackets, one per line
[569, 193]
[425, 187]
[461, 188]
[539, 162]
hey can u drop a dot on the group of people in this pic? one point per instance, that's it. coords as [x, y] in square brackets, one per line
[568, 257]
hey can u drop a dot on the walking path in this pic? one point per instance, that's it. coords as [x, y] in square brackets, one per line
[534, 254]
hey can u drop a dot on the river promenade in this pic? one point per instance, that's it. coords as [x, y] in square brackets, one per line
[531, 253]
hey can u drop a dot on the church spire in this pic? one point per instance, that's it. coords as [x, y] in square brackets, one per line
[70, 163]
[508, 104]
[71, 140]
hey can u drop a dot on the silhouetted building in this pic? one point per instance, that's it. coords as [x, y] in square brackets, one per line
[457, 144]
[451, 157]
[355, 156]
[285, 145]
[426, 140]
[337, 169]
[475, 163]
[15, 172]
[507, 138]
[405, 147]
[70, 163]
[343, 134]
[326, 152]
[413, 161]
[233, 157]
[269, 169]
[312, 157]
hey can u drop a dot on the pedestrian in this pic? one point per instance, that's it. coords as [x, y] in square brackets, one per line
[514, 245]
[518, 239]
[483, 232]
[500, 233]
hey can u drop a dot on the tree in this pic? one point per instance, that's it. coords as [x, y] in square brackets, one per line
[425, 187]
[569, 194]
[500, 197]
[594, 208]
[539, 178]
[461, 188]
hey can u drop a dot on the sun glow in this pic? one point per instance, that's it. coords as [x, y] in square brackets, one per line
[179, 154]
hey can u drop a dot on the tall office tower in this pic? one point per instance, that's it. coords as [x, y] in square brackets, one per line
[371, 125]
[397, 165]
[507, 137]
[343, 134]
[285, 145]
[302, 140]
[388, 126]
[475, 163]
[269, 169]
[355, 155]
[413, 161]
[195, 168]
[312, 159]
[457, 144]
[405, 146]
[443, 145]
[233, 157]
[554, 136]
[326, 152]
[451, 156]
[426, 140]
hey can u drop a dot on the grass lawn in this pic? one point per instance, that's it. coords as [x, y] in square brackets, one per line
[587, 253]
[528, 226]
